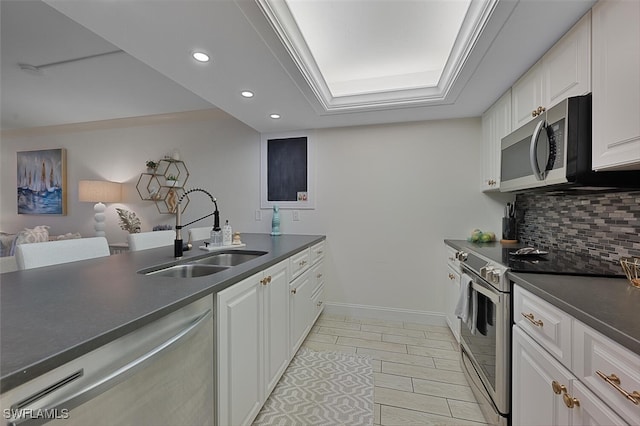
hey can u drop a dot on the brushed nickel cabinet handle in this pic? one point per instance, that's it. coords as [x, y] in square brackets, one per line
[614, 381]
[558, 388]
[569, 401]
[293, 291]
[532, 319]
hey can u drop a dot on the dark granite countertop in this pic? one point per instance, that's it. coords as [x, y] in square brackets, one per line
[52, 315]
[608, 305]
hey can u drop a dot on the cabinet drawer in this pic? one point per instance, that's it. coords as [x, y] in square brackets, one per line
[317, 275]
[318, 302]
[317, 252]
[546, 324]
[298, 263]
[593, 353]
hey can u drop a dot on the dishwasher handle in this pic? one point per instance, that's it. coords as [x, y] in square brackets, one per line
[103, 384]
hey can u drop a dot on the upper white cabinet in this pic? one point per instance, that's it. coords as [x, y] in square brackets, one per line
[496, 124]
[616, 85]
[564, 71]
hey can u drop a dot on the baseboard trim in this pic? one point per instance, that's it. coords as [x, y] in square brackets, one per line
[392, 314]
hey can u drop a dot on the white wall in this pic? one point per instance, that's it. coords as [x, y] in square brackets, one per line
[387, 195]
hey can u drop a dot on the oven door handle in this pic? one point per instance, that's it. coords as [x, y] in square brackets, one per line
[495, 298]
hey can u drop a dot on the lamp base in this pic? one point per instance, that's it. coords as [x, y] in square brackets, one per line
[99, 217]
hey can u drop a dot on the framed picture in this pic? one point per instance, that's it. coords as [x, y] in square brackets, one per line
[287, 174]
[42, 182]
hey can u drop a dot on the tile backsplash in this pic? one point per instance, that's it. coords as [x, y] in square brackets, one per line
[602, 225]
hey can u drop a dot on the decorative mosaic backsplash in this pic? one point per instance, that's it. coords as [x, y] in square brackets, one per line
[601, 225]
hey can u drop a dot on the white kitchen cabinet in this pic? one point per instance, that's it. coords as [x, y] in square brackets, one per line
[252, 341]
[564, 71]
[552, 389]
[496, 124]
[300, 309]
[616, 85]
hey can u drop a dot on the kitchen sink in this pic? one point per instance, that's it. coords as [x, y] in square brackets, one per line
[228, 258]
[187, 270]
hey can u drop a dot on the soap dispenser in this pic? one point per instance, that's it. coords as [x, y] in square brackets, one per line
[227, 234]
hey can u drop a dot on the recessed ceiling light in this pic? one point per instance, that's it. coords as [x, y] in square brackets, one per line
[200, 56]
[275, 116]
[247, 94]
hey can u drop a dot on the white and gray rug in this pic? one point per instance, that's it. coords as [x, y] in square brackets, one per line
[322, 388]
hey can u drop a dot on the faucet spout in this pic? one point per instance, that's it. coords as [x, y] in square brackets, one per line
[177, 246]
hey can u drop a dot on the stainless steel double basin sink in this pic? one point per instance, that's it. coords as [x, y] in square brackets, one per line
[203, 266]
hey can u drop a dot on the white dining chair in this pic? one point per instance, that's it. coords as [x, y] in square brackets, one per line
[36, 255]
[148, 240]
[197, 234]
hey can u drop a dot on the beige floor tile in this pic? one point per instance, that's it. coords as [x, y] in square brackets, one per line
[434, 352]
[343, 332]
[376, 414]
[337, 324]
[398, 331]
[385, 323]
[426, 327]
[416, 341]
[371, 344]
[319, 346]
[447, 364]
[411, 401]
[400, 416]
[392, 382]
[325, 316]
[376, 364]
[322, 338]
[419, 372]
[397, 357]
[352, 319]
[443, 390]
[466, 410]
[447, 335]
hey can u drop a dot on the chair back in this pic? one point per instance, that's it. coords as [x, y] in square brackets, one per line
[36, 255]
[197, 234]
[149, 240]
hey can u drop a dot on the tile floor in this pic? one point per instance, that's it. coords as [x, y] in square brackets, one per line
[417, 374]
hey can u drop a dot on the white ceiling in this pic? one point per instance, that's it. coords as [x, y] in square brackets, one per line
[156, 74]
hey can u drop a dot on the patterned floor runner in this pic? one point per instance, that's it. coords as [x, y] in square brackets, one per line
[322, 388]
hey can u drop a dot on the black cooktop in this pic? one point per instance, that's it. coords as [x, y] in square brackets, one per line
[555, 262]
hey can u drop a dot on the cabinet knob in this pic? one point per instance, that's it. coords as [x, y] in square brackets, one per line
[302, 263]
[269, 279]
[319, 276]
[534, 113]
[451, 276]
[532, 319]
[541, 109]
[293, 291]
[263, 281]
[319, 304]
[569, 401]
[558, 388]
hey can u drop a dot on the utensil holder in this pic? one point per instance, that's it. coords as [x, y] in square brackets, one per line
[509, 229]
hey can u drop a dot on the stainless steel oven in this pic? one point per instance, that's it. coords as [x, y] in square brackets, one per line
[485, 337]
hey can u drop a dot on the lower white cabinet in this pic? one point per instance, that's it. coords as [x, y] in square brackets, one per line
[252, 343]
[452, 292]
[300, 309]
[549, 388]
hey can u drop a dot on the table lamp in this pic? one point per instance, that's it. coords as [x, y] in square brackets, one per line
[99, 192]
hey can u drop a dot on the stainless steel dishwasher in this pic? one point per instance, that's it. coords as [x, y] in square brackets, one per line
[161, 374]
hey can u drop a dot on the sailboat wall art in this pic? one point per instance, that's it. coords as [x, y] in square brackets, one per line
[42, 182]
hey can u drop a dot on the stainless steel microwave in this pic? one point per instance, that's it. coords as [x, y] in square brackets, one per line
[553, 151]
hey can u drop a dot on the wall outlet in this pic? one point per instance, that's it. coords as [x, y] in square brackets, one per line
[296, 215]
[258, 215]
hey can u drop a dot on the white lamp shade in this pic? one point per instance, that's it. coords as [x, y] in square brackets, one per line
[99, 191]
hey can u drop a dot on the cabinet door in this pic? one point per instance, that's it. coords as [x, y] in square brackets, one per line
[452, 294]
[496, 124]
[567, 66]
[527, 95]
[616, 85]
[239, 349]
[591, 411]
[276, 323]
[533, 373]
[300, 309]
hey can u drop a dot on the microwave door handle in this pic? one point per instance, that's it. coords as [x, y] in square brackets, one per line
[533, 151]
